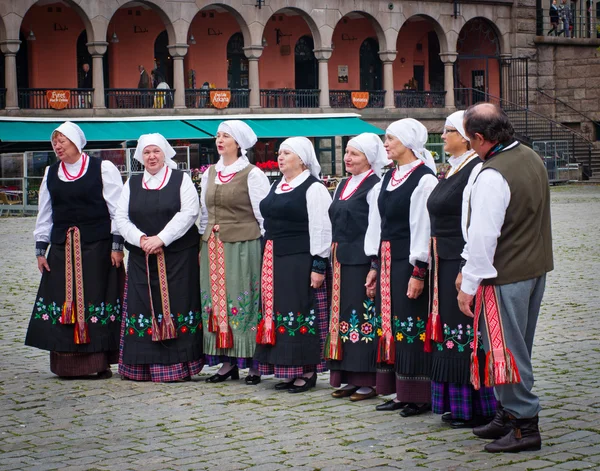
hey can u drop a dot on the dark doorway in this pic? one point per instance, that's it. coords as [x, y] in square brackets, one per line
[237, 63]
[307, 77]
[163, 62]
[84, 57]
[419, 75]
[436, 66]
[370, 65]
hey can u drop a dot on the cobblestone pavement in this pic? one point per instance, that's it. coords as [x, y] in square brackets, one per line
[49, 423]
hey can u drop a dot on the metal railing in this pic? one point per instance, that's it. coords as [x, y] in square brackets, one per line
[566, 105]
[343, 98]
[417, 99]
[139, 98]
[289, 98]
[200, 97]
[2, 98]
[580, 24]
[48, 98]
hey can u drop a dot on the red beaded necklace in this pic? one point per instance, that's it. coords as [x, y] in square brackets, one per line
[70, 177]
[344, 198]
[396, 182]
[227, 178]
[161, 183]
[285, 187]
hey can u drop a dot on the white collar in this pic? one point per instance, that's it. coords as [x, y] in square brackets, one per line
[456, 161]
[77, 164]
[240, 164]
[406, 167]
[148, 177]
[296, 182]
[360, 176]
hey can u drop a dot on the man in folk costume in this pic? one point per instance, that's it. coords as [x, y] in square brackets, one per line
[509, 252]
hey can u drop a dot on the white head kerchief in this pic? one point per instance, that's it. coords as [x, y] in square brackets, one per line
[155, 139]
[455, 120]
[370, 144]
[241, 133]
[303, 148]
[414, 136]
[72, 132]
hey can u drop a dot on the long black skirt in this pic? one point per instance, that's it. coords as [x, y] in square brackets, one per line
[183, 278]
[102, 288]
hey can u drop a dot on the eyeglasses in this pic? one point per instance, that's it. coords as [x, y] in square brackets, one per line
[448, 131]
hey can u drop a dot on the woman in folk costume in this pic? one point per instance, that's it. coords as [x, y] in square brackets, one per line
[451, 332]
[399, 231]
[352, 341]
[161, 334]
[231, 224]
[292, 332]
[78, 307]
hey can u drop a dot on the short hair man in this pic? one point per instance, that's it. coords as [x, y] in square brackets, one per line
[509, 252]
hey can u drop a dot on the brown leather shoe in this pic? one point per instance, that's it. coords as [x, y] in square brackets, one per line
[339, 393]
[524, 436]
[497, 428]
[361, 397]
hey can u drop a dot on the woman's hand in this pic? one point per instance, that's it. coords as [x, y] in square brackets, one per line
[116, 258]
[42, 263]
[151, 245]
[371, 284]
[458, 282]
[415, 288]
[316, 279]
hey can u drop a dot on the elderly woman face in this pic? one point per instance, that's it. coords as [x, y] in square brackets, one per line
[356, 162]
[154, 159]
[64, 148]
[226, 145]
[454, 143]
[289, 162]
[394, 147]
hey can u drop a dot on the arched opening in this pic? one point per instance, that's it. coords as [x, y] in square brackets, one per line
[371, 76]
[237, 63]
[307, 77]
[84, 57]
[163, 62]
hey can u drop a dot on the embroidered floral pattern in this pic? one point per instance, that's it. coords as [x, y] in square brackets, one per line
[241, 309]
[291, 323]
[96, 314]
[355, 331]
[141, 324]
[461, 338]
[409, 330]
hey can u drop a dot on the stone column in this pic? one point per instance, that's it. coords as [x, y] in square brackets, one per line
[253, 53]
[97, 50]
[449, 58]
[506, 92]
[178, 51]
[388, 57]
[10, 47]
[323, 55]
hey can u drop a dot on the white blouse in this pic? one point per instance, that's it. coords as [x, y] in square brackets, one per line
[258, 188]
[177, 226]
[318, 201]
[420, 229]
[112, 184]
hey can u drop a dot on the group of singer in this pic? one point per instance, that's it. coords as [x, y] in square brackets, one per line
[282, 279]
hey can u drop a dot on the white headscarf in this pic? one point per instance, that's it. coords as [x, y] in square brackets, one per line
[155, 139]
[72, 132]
[414, 136]
[370, 144]
[455, 120]
[241, 133]
[303, 148]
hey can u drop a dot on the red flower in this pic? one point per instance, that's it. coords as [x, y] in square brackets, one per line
[303, 329]
[281, 329]
[131, 331]
[184, 329]
[149, 331]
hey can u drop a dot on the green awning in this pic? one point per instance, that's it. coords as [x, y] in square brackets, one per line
[26, 131]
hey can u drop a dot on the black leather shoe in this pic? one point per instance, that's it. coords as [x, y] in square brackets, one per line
[284, 385]
[497, 428]
[471, 423]
[524, 436]
[252, 379]
[447, 417]
[413, 409]
[308, 384]
[233, 373]
[106, 374]
[390, 405]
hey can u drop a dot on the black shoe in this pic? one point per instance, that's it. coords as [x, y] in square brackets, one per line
[284, 385]
[233, 373]
[106, 374]
[390, 405]
[308, 384]
[497, 428]
[524, 436]
[252, 379]
[476, 421]
[413, 409]
[447, 417]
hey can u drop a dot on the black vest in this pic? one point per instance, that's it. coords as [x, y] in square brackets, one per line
[286, 219]
[394, 208]
[349, 221]
[445, 212]
[79, 203]
[151, 211]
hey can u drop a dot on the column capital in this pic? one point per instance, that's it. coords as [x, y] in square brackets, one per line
[253, 52]
[323, 54]
[448, 57]
[387, 56]
[97, 48]
[178, 51]
[10, 46]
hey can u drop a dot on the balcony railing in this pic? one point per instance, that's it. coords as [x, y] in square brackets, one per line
[582, 24]
[138, 98]
[48, 98]
[200, 97]
[343, 98]
[2, 98]
[416, 99]
[289, 98]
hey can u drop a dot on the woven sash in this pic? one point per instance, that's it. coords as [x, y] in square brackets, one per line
[73, 312]
[500, 366]
[433, 330]
[386, 350]
[165, 329]
[218, 321]
[265, 333]
[333, 345]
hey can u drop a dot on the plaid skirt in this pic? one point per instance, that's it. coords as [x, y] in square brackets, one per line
[462, 400]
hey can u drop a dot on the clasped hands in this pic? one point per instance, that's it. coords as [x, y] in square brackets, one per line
[151, 245]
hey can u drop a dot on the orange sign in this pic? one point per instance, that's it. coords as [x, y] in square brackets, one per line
[220, 99]
[360, 99]
[58, 99]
